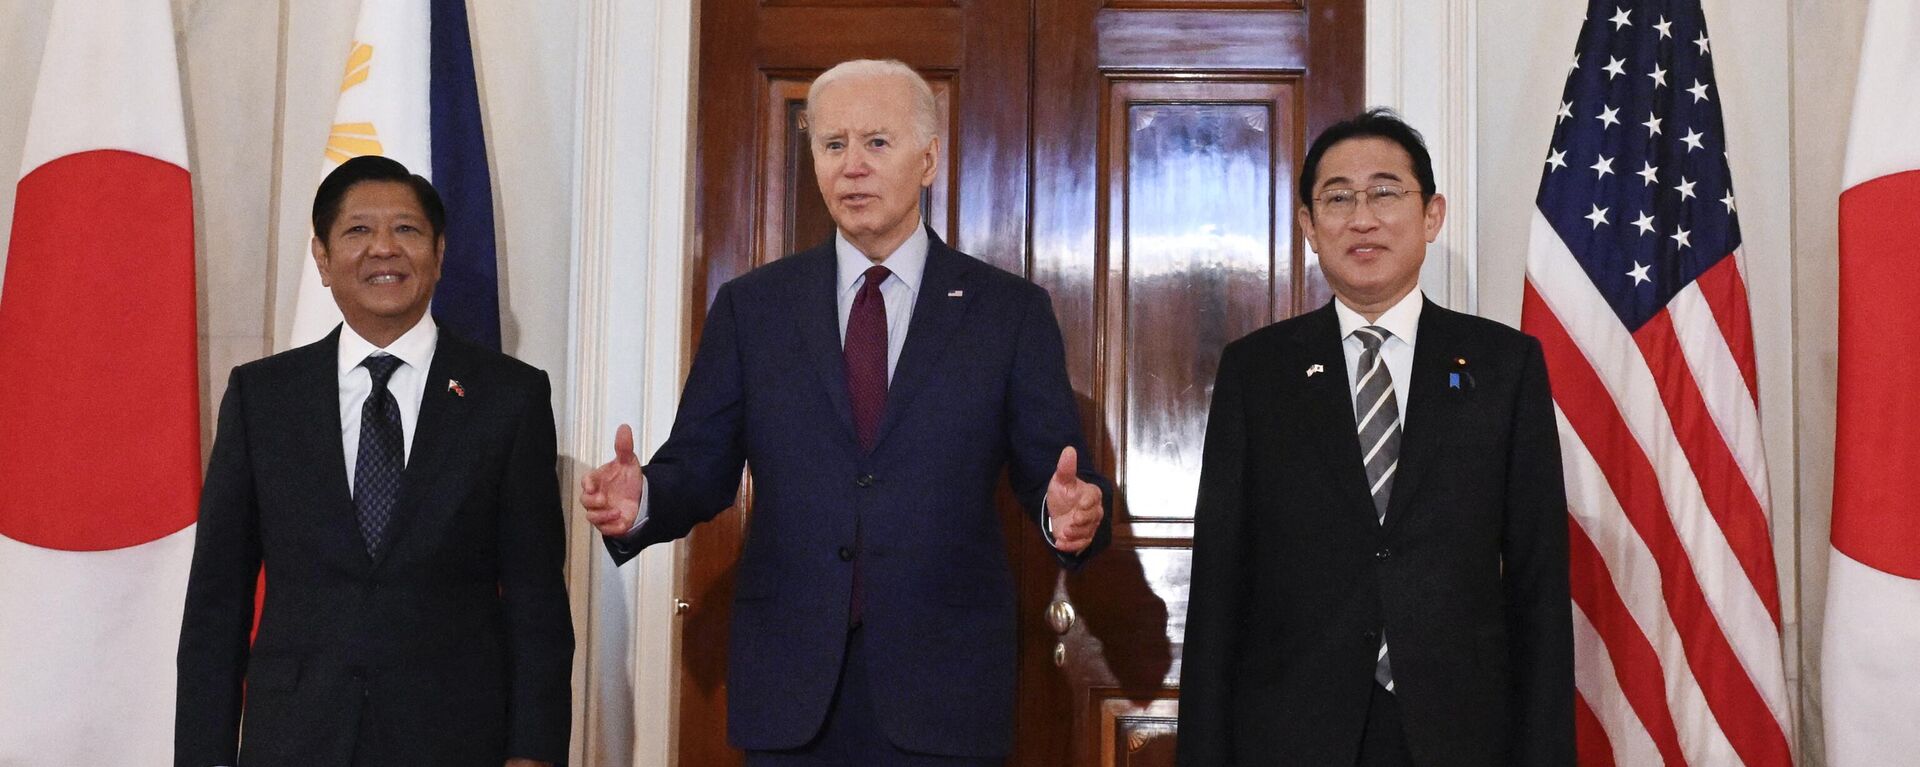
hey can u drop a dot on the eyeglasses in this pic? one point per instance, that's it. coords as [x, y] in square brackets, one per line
[1381, 199]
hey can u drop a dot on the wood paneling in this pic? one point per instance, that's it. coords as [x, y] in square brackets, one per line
[1199, 41]
[1200, 251]
[817, 38]
[1135, 158]
[1136, 734]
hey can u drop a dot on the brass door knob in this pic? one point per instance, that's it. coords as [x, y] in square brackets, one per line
[1060, 616]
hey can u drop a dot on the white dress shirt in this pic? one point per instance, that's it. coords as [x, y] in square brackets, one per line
[1403, 321]
[409, 383]
[908, 263]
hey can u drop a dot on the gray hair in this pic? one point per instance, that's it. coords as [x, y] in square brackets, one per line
[926, 111]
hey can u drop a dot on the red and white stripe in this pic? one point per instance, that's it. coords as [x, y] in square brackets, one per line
[1870, 680]
[1677, 606]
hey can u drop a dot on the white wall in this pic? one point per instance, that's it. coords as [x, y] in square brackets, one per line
[1826, 57]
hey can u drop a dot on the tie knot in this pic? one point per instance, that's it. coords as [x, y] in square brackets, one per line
[1372, 336]
[381, 367]
[875, 276]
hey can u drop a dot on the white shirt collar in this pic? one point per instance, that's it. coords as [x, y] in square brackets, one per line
[414, 347]
[907, 262]
[1402, 319]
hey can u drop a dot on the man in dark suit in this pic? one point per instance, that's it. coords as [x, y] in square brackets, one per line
[1360, 597]
[876, 385]
[398, 486]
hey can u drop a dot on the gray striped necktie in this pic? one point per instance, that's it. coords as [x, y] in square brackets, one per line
[1377, 412]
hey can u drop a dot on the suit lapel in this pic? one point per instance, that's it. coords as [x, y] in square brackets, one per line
[315, 410]
[1329, 407]
[423, 506]
[816, 300]
[936, 316]
[1427, 408]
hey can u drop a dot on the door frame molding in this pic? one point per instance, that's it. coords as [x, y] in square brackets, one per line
[632, 231]
[1422, 59]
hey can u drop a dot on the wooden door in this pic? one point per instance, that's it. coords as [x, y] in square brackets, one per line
[1166, 145]
[1136, 158]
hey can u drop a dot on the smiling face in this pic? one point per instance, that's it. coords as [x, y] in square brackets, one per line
[870, 160]
[381, 258]
[1372, 257]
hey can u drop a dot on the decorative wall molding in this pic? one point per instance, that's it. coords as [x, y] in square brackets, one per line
[1422, 59]
[633, 122]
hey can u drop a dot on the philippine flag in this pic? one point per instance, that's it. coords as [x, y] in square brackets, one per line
[408, 92]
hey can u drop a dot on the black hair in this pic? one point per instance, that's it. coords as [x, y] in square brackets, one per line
[1378, 122]
[333, 189]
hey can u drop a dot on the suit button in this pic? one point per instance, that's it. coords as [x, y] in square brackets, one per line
[846, 554]
[864, 480]
[1383, 554]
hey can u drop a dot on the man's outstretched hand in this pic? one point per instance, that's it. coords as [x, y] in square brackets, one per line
[1073, 506]
[611, 493]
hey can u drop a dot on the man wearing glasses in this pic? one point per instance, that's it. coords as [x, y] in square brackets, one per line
[1380, 547]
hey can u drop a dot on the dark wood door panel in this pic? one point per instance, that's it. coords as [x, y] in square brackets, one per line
[1200, 251]
[1135, 158]
[1202, 40]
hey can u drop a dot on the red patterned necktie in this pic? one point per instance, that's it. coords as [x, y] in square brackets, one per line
[865, 356]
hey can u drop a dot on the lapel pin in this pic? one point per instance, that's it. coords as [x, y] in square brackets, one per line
[1315, 369]
[956, 293]
[456, 388]
[1459, 379]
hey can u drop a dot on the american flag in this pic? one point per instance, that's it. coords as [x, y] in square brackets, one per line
[1634, 290]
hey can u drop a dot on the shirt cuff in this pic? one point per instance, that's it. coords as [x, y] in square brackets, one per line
[1046, 523]
[640, 519]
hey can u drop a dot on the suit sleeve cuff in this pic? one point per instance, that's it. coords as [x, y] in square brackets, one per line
[1046, 524]
[625, 543]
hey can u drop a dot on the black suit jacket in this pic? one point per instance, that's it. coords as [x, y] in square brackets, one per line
[980, 386]
[1293, 577]
[454, 647]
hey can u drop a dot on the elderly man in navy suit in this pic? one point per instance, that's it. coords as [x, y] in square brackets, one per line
[877, 385]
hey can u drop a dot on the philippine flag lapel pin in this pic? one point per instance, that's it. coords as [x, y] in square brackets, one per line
[455, 387]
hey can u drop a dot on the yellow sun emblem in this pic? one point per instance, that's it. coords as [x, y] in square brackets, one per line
[349, 140]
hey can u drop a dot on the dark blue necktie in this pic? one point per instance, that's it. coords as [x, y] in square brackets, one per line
[376, 471]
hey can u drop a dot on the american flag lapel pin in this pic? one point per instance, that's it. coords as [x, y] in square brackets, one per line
[1315, 368]
[455, 387]
[956, 293]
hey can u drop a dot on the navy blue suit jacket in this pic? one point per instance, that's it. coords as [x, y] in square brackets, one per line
[980, 385]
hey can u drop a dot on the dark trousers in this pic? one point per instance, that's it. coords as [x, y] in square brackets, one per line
[1384, 744]
[851, 735]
